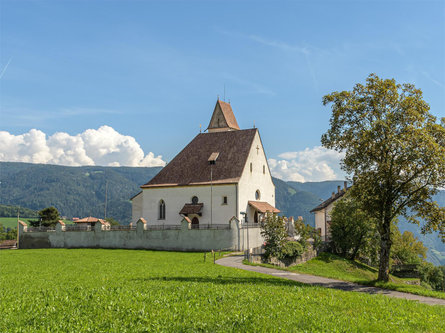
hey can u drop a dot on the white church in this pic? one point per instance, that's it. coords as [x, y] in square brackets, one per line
[221, 174]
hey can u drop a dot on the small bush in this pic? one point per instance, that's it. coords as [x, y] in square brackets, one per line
[291, 250]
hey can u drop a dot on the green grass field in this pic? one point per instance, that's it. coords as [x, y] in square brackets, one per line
[87, 290]
[11, 222]
[332, 266]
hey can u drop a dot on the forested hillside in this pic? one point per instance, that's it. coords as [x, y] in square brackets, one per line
[74, 191]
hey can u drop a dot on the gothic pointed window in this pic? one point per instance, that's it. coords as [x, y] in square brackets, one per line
[161, 210]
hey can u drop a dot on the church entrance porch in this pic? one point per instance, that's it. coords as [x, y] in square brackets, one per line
[260, 208]
[195, 223]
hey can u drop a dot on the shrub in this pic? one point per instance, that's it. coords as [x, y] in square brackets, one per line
[291, 250]
[432, 275]
[274, 232]
[306, 232]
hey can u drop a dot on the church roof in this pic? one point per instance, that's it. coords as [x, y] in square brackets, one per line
[191, 165]
[223, 117]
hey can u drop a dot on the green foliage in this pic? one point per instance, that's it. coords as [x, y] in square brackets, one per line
[394, 151]
[48, 217]
[7, 233]
[406, 248]
[306, 232]
[11, 211]
[432, 275]
[91, 290]
[112, 221]
[290, 250]
[274, 232]
[353, 232]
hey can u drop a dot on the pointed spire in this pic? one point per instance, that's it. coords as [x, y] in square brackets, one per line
[223, 118]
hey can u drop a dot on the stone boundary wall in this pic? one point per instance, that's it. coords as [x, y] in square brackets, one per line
[256, 257]
[232, 237]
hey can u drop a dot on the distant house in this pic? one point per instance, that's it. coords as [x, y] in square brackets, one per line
[90, 221]
[323, 211]
[219, 175]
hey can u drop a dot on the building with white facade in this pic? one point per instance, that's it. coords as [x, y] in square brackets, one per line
[221, 174]
[323, 211]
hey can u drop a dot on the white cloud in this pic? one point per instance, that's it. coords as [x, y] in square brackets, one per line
[315, 164]
[104, 146]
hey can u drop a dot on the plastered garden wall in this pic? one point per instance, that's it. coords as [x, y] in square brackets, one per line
[233, 236]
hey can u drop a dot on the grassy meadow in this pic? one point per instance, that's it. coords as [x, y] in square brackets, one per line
[98, 290]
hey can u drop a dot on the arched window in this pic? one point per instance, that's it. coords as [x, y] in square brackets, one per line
[257, 195]
[161, 210]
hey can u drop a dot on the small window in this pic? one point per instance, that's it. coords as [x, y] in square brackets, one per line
[251, 168]
[257, 195]
[161, 210]
[264, 169]
[224, 200]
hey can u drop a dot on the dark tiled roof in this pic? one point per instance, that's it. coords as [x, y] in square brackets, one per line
[191, 166]
[263, 207]
[331, 199]
[191, 209]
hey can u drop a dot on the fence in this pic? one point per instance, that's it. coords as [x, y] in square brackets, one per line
[41, 229]
[250, 225]
[163, 227]
[210, 226]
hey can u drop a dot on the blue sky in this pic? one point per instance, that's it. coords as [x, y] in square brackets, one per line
[98, 79]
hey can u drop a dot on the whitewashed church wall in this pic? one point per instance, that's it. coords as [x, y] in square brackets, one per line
[176, 197]
[136, 207]
[250, 182]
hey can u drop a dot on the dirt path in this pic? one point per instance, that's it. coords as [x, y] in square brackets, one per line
[237, 262]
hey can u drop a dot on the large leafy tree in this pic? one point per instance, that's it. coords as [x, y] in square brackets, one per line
[394, 151]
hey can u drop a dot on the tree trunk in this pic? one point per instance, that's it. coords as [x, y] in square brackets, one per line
[385, 248]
